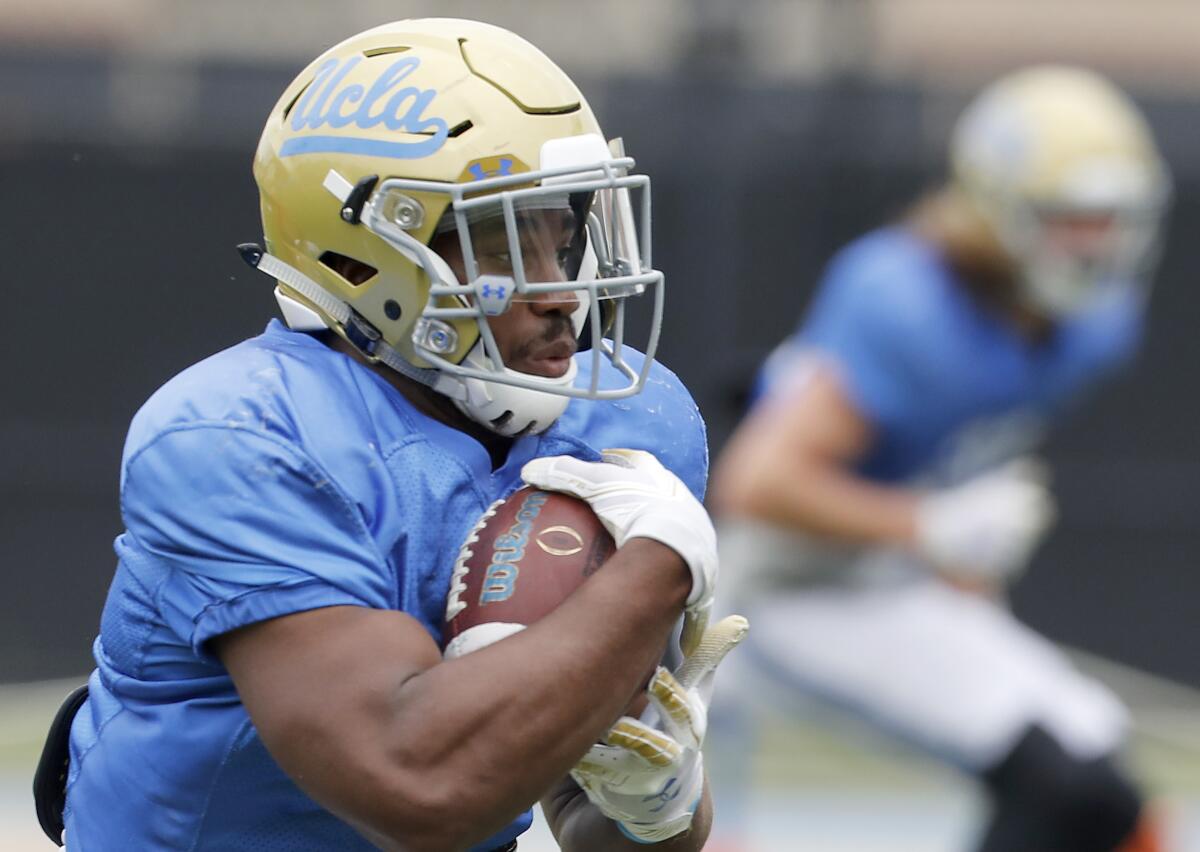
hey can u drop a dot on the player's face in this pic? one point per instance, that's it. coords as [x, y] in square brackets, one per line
[535, 334]
[1076, 257]
[1089, 237]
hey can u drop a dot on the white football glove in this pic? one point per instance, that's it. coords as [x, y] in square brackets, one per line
[987, 528]
[648, 774]
[634, 496]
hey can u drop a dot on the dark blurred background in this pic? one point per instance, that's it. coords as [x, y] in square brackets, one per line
[774, 132]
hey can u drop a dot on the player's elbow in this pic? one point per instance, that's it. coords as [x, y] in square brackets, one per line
[427, 813]
[751, 500]
[734, 480]
[400, 795]
[756, 467]
[426, 836]
[752, 484]
[730, 492]
[438, 801]
[785, 488]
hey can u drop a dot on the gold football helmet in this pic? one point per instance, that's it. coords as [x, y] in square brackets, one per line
[418, 129]
[1063, 167]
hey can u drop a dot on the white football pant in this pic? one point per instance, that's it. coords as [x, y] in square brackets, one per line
[875, 634]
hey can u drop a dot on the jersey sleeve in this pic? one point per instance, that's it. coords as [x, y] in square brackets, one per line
[663, 419]
[249, 529]
[866, 324]
[678, 434]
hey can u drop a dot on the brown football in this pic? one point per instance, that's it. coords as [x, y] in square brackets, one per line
[524, 557]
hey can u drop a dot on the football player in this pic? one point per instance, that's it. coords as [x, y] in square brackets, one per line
[878, 497]
[455, 247]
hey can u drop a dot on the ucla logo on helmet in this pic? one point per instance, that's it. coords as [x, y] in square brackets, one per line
[330, 102]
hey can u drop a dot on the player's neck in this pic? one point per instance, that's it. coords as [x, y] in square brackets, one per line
[1031, 325]
[429, 402]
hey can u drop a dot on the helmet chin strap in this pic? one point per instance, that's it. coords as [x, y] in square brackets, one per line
[511, 410]
[361, 334]
[490, 404]
[508, 410]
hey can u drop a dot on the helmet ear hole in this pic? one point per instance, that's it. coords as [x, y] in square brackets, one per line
[354, 271]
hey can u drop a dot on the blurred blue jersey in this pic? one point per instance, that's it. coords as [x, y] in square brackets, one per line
[948, 387]
[276, 477]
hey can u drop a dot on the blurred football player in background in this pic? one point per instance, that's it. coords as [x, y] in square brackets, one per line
[447, 226]
[878, 497]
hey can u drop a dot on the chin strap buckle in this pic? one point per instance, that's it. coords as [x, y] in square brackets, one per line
[362, 335]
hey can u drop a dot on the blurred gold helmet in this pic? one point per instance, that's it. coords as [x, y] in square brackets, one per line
[422, 128]
[1064, 169]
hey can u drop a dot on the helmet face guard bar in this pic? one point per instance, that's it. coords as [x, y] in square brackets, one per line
[616, 265]
[1062, 281]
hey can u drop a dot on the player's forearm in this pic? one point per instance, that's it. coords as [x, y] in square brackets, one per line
[837, 504]
[579, 827]
[501, 725]
[821, 498]
[792, 463]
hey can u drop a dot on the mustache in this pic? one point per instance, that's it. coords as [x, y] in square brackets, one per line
[557, 329]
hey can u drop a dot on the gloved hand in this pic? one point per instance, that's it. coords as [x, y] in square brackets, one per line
[648, 774]
[634, 496]
[987, 527]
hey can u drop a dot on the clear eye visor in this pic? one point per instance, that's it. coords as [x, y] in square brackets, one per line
[579, 235]
[546, 253]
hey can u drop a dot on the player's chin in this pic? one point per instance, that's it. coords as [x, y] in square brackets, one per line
[547, 367]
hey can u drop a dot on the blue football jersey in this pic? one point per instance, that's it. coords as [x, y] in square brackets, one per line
[948, 387]
[275, 477]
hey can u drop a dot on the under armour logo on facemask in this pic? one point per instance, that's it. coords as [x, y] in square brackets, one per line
[493, 293]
